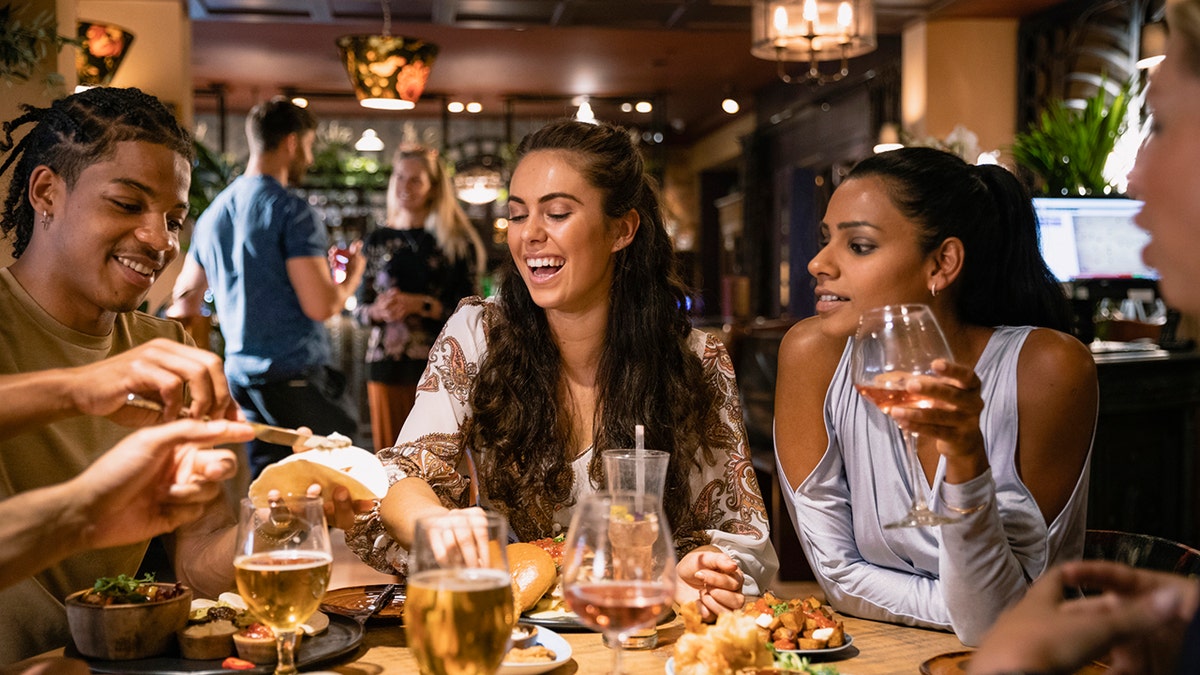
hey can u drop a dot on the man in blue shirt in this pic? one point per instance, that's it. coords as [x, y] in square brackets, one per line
[265, 254]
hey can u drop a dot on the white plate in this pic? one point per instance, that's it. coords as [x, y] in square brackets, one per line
[671, 665]
[552, 641]
[820, 652]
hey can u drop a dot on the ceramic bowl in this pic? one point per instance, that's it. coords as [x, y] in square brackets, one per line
[120, 632]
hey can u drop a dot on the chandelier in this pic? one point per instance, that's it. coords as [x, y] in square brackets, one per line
[387, 71]
[812, 31]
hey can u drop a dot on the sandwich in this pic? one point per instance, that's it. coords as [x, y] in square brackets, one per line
[533, 574]
[330, 465]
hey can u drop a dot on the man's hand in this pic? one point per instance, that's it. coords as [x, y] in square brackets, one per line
[159, 370]
[155, 480]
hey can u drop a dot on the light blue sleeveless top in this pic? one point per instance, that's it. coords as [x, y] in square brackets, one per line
[956, 577]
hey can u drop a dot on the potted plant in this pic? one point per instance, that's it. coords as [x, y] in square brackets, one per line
[25, 44]
[1066, 149]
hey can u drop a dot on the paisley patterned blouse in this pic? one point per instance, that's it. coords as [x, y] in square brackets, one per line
[728, 509]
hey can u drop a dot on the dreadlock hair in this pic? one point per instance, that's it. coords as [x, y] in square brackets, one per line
[74, 133]
[1005, 280]
[647, 374]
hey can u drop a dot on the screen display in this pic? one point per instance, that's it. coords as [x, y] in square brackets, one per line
[1092, 238]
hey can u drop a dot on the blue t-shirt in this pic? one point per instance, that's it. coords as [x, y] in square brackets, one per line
[243, 241]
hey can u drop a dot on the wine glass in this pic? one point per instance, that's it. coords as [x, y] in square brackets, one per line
[459, 612]
[282, 566]
[618, 567]
[895, 344]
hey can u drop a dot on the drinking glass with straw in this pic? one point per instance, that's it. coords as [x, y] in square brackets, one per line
[641, 472]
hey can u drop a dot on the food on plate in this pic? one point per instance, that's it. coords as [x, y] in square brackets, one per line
[523, 635]
[358, 470]
[552, 604]
[757, 636]
[533, 573]
[798, 624]
[234, 663]
[534, 654]
[256, 643]
[208, 640]
[126, 590]
[735, 641]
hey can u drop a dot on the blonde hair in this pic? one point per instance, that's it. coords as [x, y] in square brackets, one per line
[1183, 21]
[453, 231]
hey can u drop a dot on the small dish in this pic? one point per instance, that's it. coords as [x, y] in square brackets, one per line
[955, 663]
[548, 639]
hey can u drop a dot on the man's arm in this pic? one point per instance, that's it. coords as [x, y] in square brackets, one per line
[203, 550]
[320, 296]
[187, 296]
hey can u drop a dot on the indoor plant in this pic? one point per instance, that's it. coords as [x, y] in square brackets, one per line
[24, 44]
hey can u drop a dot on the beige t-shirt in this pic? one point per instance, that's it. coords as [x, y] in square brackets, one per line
[32, 619]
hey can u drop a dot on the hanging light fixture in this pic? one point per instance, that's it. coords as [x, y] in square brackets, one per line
[102, 47]
[812, 31]
[388, 71]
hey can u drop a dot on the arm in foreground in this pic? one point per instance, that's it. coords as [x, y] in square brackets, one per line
[152, 482]
[1138, 622]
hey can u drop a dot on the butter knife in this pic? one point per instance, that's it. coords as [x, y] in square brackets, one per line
[263, 432]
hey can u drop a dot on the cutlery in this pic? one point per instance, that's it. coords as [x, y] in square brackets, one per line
[378, 604]
[263, 432]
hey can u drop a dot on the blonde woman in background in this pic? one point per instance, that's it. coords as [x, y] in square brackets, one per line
[420, 263]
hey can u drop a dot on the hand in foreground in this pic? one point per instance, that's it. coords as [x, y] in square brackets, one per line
[954, 417]
[711, 576]
[340, 510]
[1137, 622]
[155, 480]
[159, 370]
[461, 537]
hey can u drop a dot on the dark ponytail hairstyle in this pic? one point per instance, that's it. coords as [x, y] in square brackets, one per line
[647, 372]
[1005, 280]
[74, 133]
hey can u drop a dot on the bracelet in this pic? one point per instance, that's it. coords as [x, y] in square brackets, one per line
[966, 512]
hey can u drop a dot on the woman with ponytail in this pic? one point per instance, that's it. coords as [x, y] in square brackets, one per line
[1004, 447]
[587, 339]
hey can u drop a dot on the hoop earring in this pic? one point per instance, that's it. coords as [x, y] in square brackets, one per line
[933, 290]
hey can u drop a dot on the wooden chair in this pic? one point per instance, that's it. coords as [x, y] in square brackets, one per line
[1142, 550]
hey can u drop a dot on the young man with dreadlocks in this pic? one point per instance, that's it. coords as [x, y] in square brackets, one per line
[97, 197]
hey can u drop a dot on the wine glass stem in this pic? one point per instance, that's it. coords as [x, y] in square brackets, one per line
[285, 644]
[615, 639]
[916, 475]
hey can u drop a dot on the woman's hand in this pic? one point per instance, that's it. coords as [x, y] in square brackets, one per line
[952, 419]
[709, 575]
[393, 305]
[340, 510]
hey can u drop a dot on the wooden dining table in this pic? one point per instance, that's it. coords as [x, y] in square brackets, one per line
[878, 648]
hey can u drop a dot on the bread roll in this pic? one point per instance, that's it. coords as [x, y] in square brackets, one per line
[533, 573]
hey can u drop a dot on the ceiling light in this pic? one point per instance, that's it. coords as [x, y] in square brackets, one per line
[478, 184]
[299, 101]
[812, 31]
[889, 138]
[643, 107]
[585, 114]
[730, 106]
[474, 107]
[369, 142]
[455, 107]
[388, 72]
[102, 47]
[1153, 45]
[626, 107]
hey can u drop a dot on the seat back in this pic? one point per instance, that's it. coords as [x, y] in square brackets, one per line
[1142, 550]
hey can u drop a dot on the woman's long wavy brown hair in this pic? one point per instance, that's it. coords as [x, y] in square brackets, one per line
[647, 373]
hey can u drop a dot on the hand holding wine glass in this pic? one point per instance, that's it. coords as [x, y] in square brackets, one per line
[893, 346]
[459, 611]
[283, 563]
[619, 565]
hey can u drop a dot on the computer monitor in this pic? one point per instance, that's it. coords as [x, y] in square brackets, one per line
[1092, 238]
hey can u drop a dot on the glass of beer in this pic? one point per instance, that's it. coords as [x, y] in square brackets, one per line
[459, 611]
[282, 565]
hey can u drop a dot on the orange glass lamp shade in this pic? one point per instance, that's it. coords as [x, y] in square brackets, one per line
[101, 50]
[388, 72]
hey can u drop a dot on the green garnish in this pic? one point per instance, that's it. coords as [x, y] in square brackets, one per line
[123, 589]
[560, 538]
[780, 608]
[796, 662]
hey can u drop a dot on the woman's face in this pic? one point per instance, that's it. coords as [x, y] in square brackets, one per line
[409, 184]
[558, 235]
[1165, 178]
[871, 257]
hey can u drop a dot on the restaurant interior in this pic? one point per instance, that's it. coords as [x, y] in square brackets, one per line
[747, 131]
